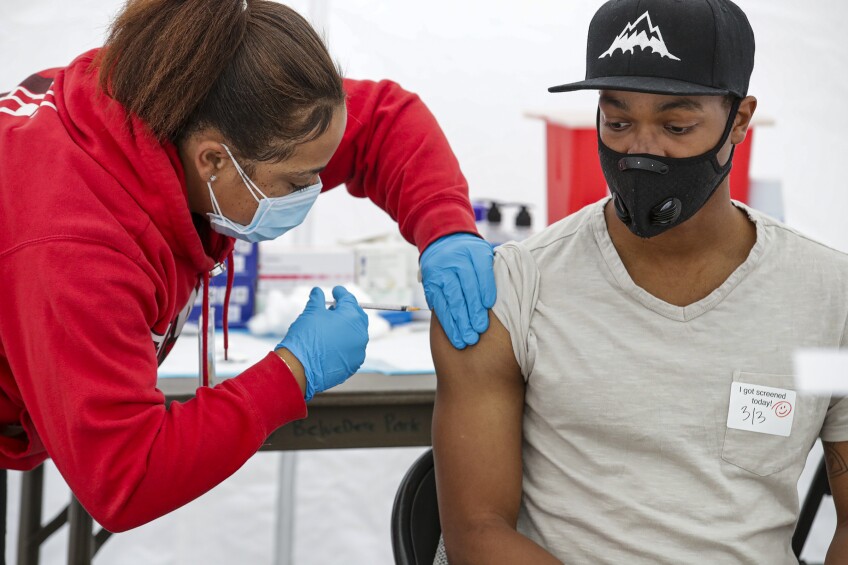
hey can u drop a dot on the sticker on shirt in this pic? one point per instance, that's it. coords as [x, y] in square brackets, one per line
[761, 409]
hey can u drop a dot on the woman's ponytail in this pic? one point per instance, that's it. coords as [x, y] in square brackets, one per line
[255, 70]
[162, 57]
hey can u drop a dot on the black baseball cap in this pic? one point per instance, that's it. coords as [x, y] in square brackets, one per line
[683, 47]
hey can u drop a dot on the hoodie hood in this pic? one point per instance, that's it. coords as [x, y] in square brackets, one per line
[149, 171]
[76, 170]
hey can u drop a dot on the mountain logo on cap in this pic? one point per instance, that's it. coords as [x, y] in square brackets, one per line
[643, 34]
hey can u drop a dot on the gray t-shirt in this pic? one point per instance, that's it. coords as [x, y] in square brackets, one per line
[627, 455]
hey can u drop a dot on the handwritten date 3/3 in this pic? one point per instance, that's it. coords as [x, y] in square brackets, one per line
[752, 415]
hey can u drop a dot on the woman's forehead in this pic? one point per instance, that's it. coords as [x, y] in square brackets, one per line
[310, 157]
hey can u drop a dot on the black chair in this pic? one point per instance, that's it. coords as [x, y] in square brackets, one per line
[819, 488]
[415, 515]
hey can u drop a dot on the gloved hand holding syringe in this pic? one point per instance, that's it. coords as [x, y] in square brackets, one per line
[329, 344]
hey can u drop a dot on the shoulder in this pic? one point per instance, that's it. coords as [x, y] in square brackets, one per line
[521, 266]
[560, 237]
[577, 224]
[797, 250]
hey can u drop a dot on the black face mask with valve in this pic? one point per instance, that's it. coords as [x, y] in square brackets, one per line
[652, 194]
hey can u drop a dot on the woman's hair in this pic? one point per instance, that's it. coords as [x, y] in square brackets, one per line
[254, 70]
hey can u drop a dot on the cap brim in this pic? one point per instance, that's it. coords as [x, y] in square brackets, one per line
[651, 85]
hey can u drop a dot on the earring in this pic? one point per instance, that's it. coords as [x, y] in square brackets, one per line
[213, 178]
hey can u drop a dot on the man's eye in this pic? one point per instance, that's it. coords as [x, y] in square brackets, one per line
[296, 188]
[678, 130]
[616, 126]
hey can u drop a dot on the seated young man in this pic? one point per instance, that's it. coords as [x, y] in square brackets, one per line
[633, 401]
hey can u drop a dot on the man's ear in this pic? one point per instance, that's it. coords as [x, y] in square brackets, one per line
[742, 122]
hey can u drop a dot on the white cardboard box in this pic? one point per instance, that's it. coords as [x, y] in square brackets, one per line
[387, 271]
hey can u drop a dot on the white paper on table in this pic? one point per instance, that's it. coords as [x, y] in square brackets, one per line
[404, 350]
[822, 371]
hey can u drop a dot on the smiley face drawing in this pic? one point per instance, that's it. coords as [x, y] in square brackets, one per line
[782, 409]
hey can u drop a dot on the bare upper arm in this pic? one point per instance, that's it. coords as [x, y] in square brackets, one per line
[477, 430]
[836, 460]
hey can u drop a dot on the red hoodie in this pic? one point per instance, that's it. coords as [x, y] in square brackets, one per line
[100, 260]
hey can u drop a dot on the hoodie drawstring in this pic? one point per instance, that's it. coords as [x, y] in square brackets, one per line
[204, 379]
[230, 275]
[204, 339]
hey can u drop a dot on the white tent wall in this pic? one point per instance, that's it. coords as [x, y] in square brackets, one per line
[479, 65]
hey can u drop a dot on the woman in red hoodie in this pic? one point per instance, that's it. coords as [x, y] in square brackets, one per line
[123, 179]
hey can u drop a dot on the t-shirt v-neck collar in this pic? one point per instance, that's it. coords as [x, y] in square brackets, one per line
[648, 300]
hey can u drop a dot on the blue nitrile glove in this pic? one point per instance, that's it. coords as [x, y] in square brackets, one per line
[329, 343]
[459, 284]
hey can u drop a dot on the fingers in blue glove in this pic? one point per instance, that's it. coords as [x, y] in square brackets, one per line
[341, 294]
[479, 285]
[477, 314]
[459, 307]
[316, 300]
[482, 262]
[345, 301]
[443, 314]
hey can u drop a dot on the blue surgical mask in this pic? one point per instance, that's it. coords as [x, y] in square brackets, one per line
[273, 216]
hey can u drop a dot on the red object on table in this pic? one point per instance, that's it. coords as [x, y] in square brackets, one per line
[575, 178]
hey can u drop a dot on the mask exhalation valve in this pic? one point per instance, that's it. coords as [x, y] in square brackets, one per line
[666, 212]
[621, 210]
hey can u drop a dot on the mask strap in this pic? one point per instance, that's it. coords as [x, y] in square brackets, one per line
[251, 186]
[734, 109]
[215, 206]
